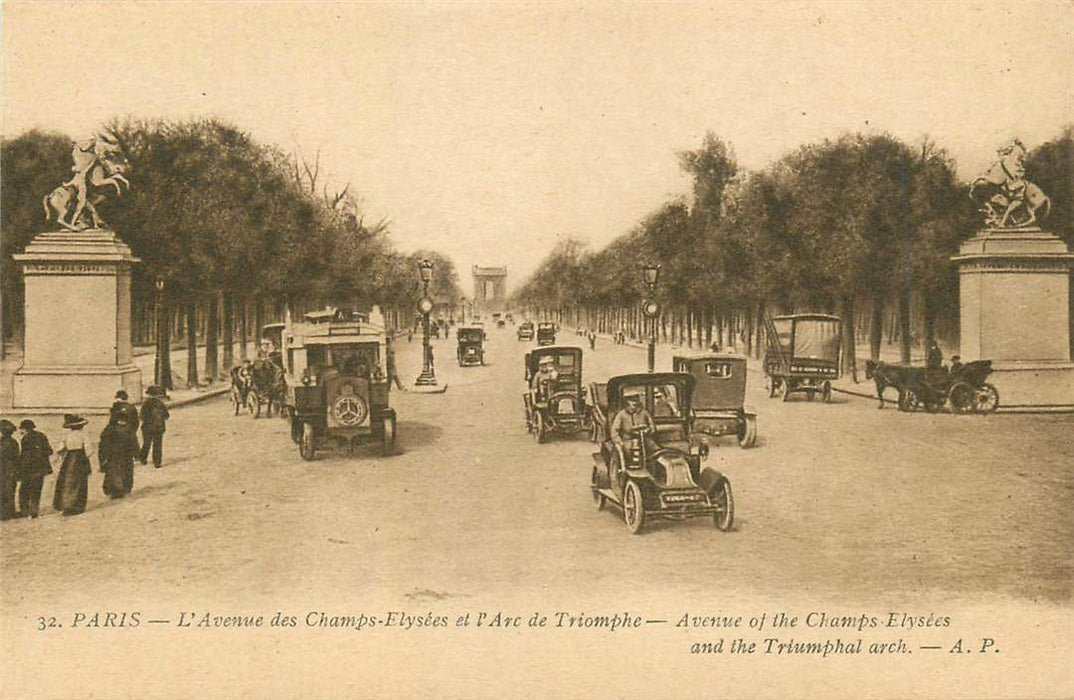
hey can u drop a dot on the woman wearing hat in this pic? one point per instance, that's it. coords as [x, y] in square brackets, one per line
[34, 466]
[72, 484]
[9, 466]
[116, 454]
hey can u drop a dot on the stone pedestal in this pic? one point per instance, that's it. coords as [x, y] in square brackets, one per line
[1014, 287]
[77, 347]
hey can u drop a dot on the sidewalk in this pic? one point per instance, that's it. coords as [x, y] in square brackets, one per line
[144, 358]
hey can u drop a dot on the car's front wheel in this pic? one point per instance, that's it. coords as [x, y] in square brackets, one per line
[387, 438]
[598, 497]
[718, 489]
[633, 508]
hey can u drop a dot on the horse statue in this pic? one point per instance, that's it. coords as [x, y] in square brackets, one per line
[1009, 200]
[98, 165]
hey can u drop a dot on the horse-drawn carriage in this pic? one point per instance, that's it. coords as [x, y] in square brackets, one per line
[802, 354]
[963, 387]
[655, 471]
[718, 406]
[555, 404]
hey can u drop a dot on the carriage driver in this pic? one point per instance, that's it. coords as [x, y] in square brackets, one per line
[632, 415]
[546, 372]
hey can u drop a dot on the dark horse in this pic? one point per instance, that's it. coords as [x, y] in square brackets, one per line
[900, 377]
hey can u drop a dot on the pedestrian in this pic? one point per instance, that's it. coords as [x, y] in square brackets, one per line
[154, 418]
[934, 360]
[72, 484]
[34, 466]
[123, 405]
[389, 364]
[592, 340]
[116, 455]
[9, 469]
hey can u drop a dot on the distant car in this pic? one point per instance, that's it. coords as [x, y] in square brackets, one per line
[337, 390]
[470, 349]
[525, 330]
[718, 406]
[546, 333]
[658, 474]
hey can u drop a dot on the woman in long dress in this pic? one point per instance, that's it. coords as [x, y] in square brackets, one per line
[116, 454]
[72, 484]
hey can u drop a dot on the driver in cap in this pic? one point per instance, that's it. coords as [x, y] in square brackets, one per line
[633, 415]
[546, 372]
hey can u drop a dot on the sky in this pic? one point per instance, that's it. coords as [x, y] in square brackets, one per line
[490, 131]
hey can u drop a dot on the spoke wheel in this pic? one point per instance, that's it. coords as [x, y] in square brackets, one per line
[961, 397]
[986, 399]
[633, 509]
[772, 385]
[725, 501]
[785, 388]
[598, 498]
[826, 392]
[308, 446]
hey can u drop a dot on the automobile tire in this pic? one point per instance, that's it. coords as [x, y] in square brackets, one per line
[771, 385]
[633, 507]
[718, 488]
[387, 436]
[748, 433]
[538, 427]
[785, 389]
[307, 447]
[599, 499]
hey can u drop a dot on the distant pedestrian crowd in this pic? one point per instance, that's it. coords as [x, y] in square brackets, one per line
[25, 463]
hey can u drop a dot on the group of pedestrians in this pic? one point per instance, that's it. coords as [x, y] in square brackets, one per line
[26, 463]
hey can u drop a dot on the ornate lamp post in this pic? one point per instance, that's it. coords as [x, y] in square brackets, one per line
[427, 376]
[158, 304]
[651, 274]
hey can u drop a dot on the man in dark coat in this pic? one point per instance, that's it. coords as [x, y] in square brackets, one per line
[154, 417]
[34, 466]
[9, 470]
[125, 408]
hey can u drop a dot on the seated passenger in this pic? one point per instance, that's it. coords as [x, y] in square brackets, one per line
[663, 405]
[956, 364]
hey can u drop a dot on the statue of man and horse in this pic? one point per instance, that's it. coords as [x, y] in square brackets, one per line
[98, 165]
[1009, 200]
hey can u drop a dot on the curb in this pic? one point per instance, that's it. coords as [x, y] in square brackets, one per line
[204, 396]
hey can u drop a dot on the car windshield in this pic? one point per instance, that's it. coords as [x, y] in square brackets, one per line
[360, 360]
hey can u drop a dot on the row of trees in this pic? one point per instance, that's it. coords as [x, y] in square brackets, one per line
[228, 225]
[862, 226]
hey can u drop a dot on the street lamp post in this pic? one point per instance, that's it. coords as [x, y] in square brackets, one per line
[651, 274]
[158, 304]
[428, 375]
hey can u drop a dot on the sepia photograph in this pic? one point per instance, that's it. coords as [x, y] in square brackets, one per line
[552, 350]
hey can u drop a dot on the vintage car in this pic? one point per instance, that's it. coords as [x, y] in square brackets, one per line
[546, 333]
[719, 396]
[337, 390]
[558, 405]
[525, 330]
[470, 349]
[656, 472]
[803, 354]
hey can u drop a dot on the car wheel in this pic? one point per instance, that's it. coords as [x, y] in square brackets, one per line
[308, 446]
[538, 427]
[718, 489]
[826, 392]
[785, 389]
[598, 498]
[772, 385]
[633, 507]
[748, 432]
[986, 399]
[387, 438]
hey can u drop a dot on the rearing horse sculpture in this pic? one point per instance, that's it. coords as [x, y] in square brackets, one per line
[96, 167]
[1010, 200]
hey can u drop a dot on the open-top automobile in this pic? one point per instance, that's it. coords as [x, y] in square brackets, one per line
[718, 406]
[555, 405]
[337, 389]
[655, 471]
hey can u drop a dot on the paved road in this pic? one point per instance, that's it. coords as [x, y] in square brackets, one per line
[837, 501]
